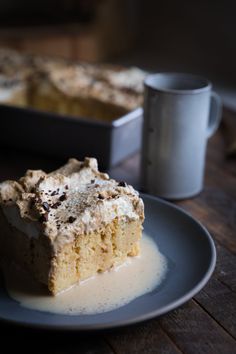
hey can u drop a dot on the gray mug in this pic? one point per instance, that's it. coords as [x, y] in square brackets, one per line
[180, 114]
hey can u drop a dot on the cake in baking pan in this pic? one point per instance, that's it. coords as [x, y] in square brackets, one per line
[103, 92]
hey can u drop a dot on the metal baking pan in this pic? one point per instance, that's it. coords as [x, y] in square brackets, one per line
[67, 136]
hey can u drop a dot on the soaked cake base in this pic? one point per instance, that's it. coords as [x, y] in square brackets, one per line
[104, 292]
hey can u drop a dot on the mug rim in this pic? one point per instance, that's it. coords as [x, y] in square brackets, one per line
[205, 87]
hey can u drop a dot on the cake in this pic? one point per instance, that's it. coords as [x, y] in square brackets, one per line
[103, 92]
[13, 91]
[14, 73]
[14, 64]
[83, 90]
[70, 224]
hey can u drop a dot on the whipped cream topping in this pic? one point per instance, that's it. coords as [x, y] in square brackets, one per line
[9, 86]
[14, 218]
[14, 65]
[123, 88]
[72, 200]
[131, 79]
[109, 84]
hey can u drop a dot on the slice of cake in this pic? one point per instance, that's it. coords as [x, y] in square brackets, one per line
[67, 225]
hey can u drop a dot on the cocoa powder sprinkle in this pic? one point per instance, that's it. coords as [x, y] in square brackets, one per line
[71, 219]
[45, 206]
[63, 197]
[122, 184]
[56, 205]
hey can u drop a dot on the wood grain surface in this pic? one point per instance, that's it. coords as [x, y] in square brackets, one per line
[207, 323]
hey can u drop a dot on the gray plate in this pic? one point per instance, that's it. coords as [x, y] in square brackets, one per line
[191, 260]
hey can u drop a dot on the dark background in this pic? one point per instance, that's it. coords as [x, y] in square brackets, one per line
[156, 35]
[193, 35]
[197, 36]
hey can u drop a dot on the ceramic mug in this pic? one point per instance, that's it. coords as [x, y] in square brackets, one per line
[180, 113]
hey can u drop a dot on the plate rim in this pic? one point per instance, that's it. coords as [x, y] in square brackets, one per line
[144, 317]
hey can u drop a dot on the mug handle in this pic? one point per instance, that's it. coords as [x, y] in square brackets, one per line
[215, 114]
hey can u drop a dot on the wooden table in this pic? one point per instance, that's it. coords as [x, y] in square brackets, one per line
[206, 324]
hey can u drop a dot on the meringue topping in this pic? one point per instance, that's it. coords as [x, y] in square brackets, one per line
[72, 200]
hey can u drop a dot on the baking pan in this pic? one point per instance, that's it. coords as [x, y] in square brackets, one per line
[67, 136]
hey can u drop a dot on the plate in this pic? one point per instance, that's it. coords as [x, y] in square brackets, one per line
[191, 256]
